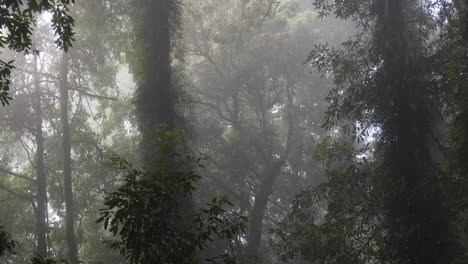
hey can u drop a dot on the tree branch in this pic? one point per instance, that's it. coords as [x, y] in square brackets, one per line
[38, 73]
[16, 175]
[93, 95]
[25, 197]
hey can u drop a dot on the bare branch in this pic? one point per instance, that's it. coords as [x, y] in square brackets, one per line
[38, 73]
[93, 95]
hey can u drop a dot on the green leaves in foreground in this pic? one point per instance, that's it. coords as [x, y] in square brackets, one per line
[150, 217]
[5, 72]
[40, 260]
[17, 21]
[6, 243]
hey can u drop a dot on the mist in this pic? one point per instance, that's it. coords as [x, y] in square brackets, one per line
[234, 131]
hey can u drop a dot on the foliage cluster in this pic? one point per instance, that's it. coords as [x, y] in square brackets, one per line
[6, 244]
[340, 220]
[16, 28]
[397, 199]
[145, 212]
[380, 164]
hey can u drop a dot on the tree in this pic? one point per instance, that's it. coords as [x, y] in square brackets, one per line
[41, 180]
[67, 169]
[152, 62]
[156, 24]
[17, 26]
[415, 212]
[385, 82]
[90, 58]
[258, 106]
[461, 6]
[340, 220]
[90, 77]
[144, 213]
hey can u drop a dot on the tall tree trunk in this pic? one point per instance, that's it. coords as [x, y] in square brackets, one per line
[418, 221]
[67, 170]
[155, 98]
[270, 174]
[461, 117]
[262, 197]
[41, 181]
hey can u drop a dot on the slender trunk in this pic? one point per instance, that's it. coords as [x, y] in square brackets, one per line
[67, 171]
[41, 181]
[258, 212]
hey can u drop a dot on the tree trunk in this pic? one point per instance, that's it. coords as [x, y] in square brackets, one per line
[67, 170]
[262, 197]
[415, 215]
[41, 181]
[462, 8]
[461, 5]
[155, 98]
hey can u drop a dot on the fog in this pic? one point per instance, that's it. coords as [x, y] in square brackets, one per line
[233, 131]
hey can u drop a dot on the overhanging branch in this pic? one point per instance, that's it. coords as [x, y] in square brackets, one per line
[2, 170]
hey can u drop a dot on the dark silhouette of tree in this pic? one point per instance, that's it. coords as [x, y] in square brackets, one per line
[385, 81]
[156, 23]
[41, 181]
[414, 207]
[6, 244]
[144, 214]
[67, 167]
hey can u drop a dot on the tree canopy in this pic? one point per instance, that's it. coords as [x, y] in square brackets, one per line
[17, 25]
[234, 131]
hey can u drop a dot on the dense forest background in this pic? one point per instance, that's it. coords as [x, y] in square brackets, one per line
[234, 131]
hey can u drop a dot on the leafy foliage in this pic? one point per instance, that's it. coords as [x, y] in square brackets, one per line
[258, 107]
[396, 203]
[40, 260]
[16, 28]
[145, 212]
[340, 221]
[6, 243]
